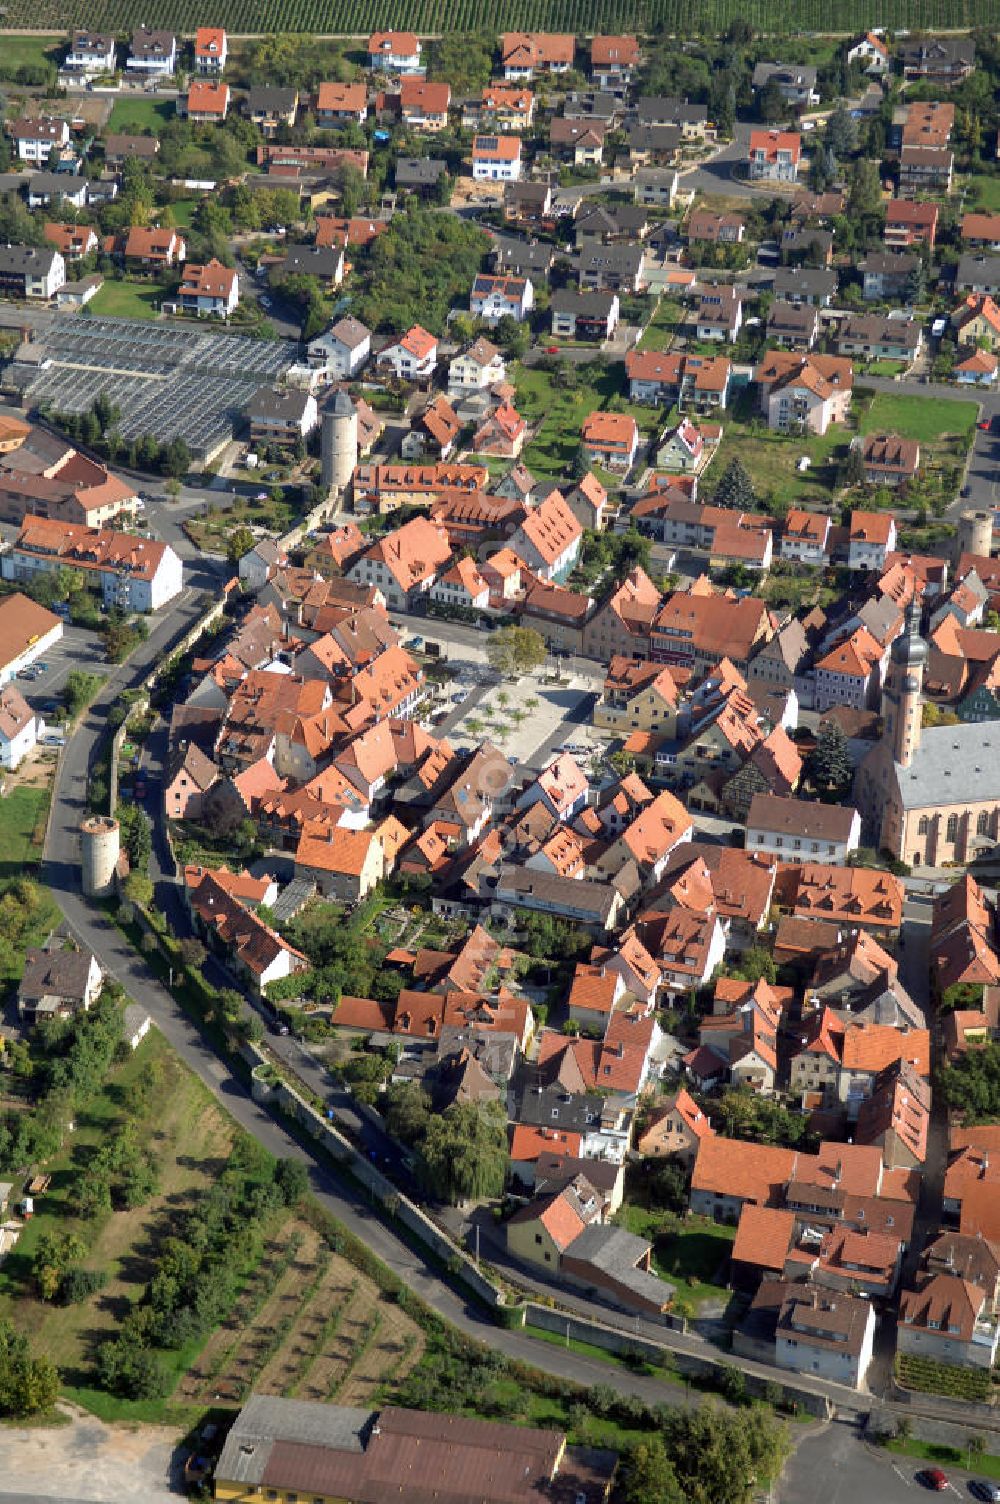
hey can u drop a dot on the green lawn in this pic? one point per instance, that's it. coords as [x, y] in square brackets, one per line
[772, 458]
[561, 411]
[987, 1465]
[22, 829]
[127, 300]
[984, 192]
[669, 313]
[918, 417]
[141, 114]
[16, 52]
[693, 1257]
[183, 211]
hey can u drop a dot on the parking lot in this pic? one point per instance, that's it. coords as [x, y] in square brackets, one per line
[44, 681]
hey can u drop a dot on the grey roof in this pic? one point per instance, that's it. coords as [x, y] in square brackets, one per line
[619, 258]
[148, 43]
[342, 407]
[590, 104]
[801, 817]
[55, 973]
[135, 1018]
[616, 1252]
[270, 101]
[668, 110]
[418, 170]
[57, 185]
[654, 137]
[875, 328]
[541, 889]
[805, 281]
[518, 256]
[26, 260]
[888, 264]
[527, 193]
[594, 304]
[948, 50]
[978, 271]
[792, 75]
[950, 762]
[795, 318]
[552, 1107]
[266, 1419]
[313, 261]
[130, 146]
[276, 402]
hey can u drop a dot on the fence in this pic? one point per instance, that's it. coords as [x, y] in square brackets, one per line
[381, 1190]
[689, 1365]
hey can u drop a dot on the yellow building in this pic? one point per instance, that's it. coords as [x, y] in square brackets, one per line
[928, 795]
[637, 696]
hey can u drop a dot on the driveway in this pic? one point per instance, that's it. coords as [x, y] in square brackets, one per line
[88, 1462]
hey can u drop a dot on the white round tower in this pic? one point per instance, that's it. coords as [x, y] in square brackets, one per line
[974, 534]
[100, 845]
[339, 443]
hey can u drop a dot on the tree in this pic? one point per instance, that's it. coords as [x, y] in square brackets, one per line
[841, 132]
[464, 1153]
[828, 765]
[854, 467]
[975, 1446]
[138, 890]
[755, 965]
[193, 953]
[176, 458]
[515, 651]
[78, 689]
[648, 1476]
[292, 1179]
[864, 197]
[240, 542]
[721, 1456]
[407, 1111]
[972, 1084]
[28, 1386]
[735, 489]
[54, 1255]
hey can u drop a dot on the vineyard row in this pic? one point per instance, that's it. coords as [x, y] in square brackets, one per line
[360, 17]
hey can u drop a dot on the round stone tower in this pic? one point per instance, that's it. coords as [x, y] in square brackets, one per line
[974, 534]
[339, 443]
[100, 844]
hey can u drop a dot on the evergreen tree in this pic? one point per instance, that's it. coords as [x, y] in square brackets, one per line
[829, 763]
[841, 132]
[735, 488]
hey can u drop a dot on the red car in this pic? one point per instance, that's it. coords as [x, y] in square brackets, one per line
[554, 350]
[986, 425]
[934, 1478]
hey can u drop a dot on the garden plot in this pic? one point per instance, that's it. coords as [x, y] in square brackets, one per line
[308, 1326]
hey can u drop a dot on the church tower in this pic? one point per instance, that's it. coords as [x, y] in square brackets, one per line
[901, 699]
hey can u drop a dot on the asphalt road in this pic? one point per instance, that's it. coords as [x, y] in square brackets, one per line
[61, 873]
[835, 1465]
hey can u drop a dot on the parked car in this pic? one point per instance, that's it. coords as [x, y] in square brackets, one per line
[934, 1479]
[985, 1490]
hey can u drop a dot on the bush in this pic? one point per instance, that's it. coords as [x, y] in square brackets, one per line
[78, 1285]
